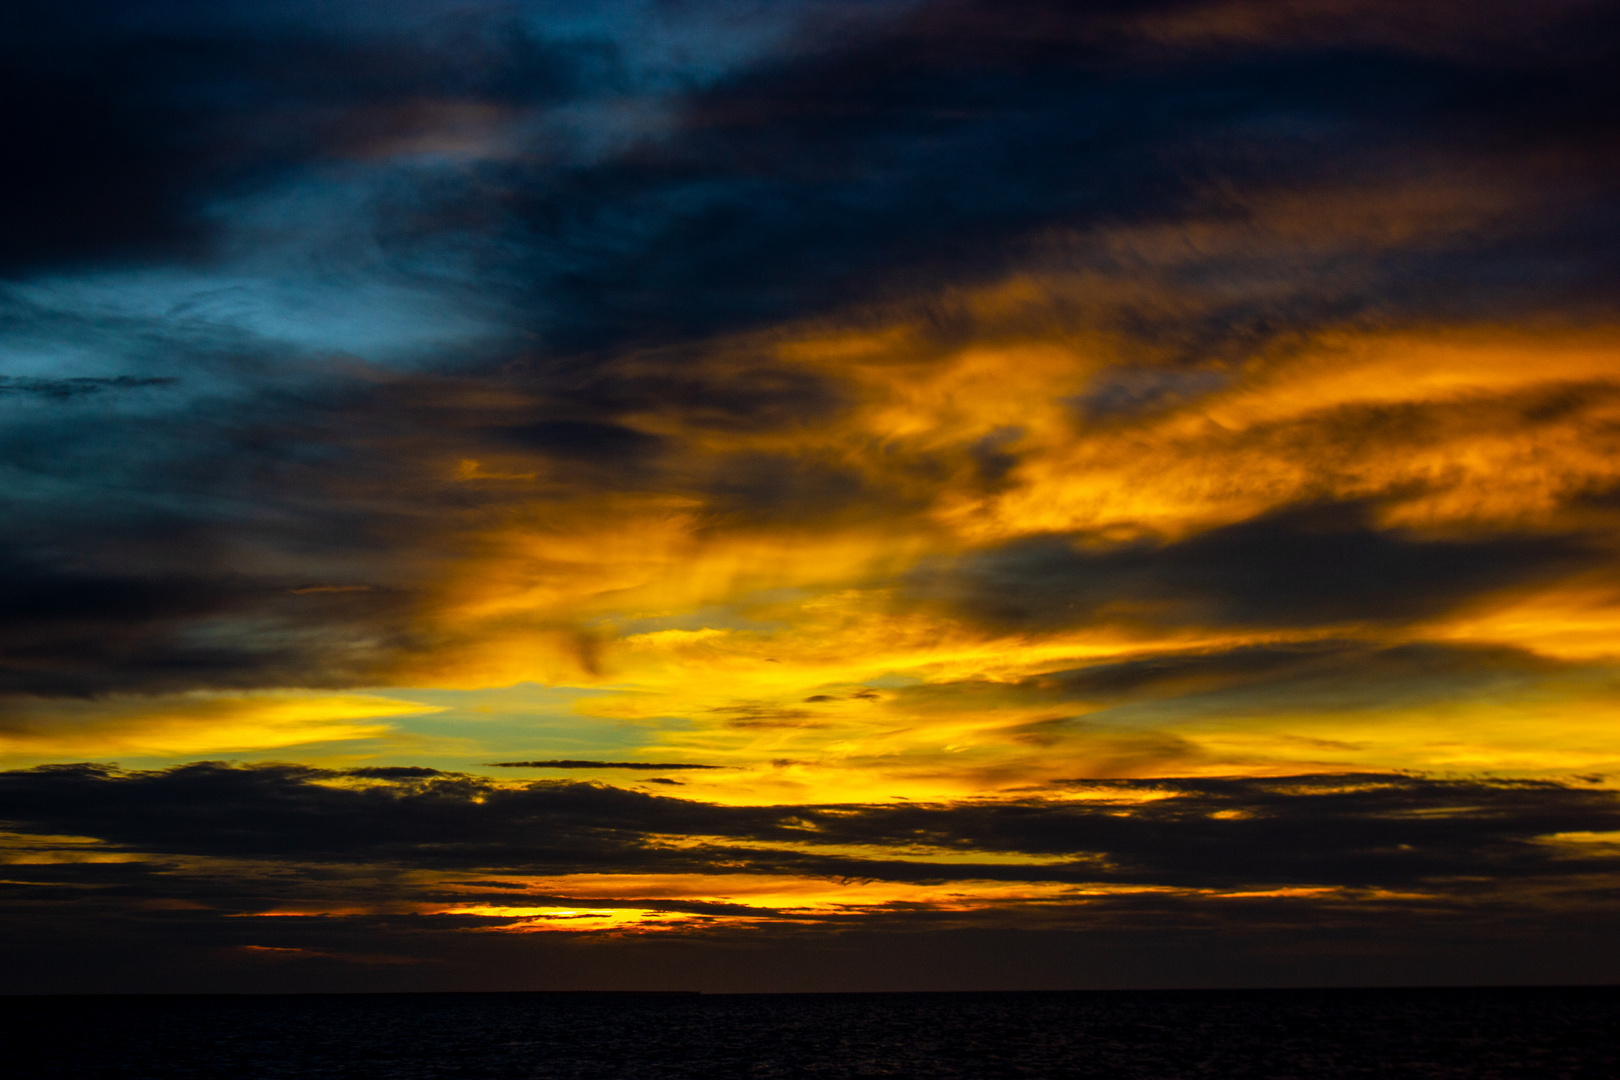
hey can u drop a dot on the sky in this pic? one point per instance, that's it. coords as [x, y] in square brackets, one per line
[809, 494]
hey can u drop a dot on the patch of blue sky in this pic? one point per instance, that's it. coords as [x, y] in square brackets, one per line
[526, 721]
[40, 344]
[58, 364]
[525, 698]
[378, 321]
[451, 743]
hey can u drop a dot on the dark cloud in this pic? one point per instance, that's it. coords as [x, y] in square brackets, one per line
[1131, 391]
[805, 185]
[1297, 567]
[1176, 672]
[1326, 673]
[85, 633]
[78, 387]
[1348, 875]
[783, 490]
[767, 717]
[581, 439]
[805, 180]
[1356, 830]
[125, 130]
[393, 772]
[732, 393]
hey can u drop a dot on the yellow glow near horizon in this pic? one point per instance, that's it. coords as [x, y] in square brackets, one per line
[746, 899]
[197, 723]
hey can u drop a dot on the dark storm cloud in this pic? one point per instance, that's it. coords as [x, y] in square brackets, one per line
[1352, 831]
[1301, 566]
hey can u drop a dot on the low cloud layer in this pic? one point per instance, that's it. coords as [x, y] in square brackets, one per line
[1350, 830]
[232, 857]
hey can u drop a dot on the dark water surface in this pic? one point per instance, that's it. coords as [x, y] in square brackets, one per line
[1308, 1034]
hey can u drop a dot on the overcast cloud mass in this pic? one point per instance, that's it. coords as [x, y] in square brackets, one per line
[834, 494]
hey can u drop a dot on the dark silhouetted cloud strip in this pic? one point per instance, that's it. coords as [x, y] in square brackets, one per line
[1367, 830]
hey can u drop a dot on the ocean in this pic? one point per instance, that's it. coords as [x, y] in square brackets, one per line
[1435, 1034]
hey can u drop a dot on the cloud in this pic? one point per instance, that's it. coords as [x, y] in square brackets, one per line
[406, 863]
[68, 388]
[1364, 831]
[1310, 566]
[1340, 671]
[74, 631]
[191, 723]
[662, 320]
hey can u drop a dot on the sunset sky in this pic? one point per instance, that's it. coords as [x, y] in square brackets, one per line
[809, 494]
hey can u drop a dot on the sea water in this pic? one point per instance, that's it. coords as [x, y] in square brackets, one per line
[1545, 1033]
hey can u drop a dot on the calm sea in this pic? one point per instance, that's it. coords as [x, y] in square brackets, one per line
[1310, 1035]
